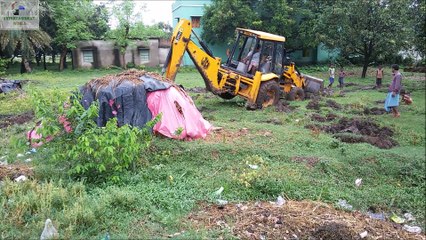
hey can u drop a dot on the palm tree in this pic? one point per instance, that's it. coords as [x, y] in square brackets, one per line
[25, 41]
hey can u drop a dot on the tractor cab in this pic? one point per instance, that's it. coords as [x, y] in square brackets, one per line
[257, 51]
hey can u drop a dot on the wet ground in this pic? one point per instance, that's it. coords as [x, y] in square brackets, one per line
[8, 120]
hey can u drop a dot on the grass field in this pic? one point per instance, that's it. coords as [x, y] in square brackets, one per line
[173, 177]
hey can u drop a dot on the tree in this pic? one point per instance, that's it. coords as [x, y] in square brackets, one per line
[26, 42]
[98, 25]
[72, 21]
[222, 17]
[122, 35]
[370, 29]
[418, 13]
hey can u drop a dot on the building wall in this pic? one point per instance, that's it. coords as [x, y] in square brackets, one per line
[187, 9]
[106, 54]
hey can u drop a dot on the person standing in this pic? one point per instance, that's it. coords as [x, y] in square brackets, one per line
[392, 99]
[342, 75]
[379, 76]
[331, 71]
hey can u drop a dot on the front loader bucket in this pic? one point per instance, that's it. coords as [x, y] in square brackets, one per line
[313, 84]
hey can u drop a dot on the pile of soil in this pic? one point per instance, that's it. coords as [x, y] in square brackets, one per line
[331, 116]
[294, 220]
[132, 75]
[350, 84]
[12, 171]
[318, 118]
[333, 104]
[416, 69]
[283, 106]
[313, 104]
[8, 120]
[362, 130]
[374, 111]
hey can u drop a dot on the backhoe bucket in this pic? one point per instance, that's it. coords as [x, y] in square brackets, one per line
[313, 84]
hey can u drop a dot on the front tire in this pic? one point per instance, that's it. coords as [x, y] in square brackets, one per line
[269, 94]
[296, 94]
[226, 95]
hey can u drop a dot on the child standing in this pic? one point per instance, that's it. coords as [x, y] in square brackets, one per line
[331, 71]
[379, 76]
[342, 75]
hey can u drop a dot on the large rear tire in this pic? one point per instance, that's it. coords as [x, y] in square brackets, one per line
[296, 94]
[269, 94]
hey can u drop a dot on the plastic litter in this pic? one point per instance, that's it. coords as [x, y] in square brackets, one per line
[343, 204]
[28, 160]
[397, 219]
[219, 191]
[21, 178]
[3, 162]
[19, 155]
[379, 216]
[358, 182]
[412, 229]
[280, 201]
[49, 231]
[107, 237]
[363, 234]
[409, 217]
[253, 166]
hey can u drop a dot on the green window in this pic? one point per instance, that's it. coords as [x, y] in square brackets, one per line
[88, 56]
[144, 55]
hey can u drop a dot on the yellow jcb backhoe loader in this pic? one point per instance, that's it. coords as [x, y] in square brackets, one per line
[257, 67]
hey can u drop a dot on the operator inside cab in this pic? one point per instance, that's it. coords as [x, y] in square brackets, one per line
[254, 57]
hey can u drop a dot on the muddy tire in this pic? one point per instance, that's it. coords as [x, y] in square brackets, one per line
[269, 94]
[226, 95]
[296, 94]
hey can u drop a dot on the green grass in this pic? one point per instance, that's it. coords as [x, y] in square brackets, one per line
[173, 176]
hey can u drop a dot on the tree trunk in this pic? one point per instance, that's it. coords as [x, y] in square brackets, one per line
[53, 57]
[123, 61]
[72, 60]
[25, 66]
[44, 61]
[62, 59]
[364, 68]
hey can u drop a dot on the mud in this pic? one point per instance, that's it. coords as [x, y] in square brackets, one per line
[313, 104]
[362, 130]
[318, 118]
[283, 106]
[331, 116]
[374, 111]
[350, 84]
[8, 120]
[333, 104]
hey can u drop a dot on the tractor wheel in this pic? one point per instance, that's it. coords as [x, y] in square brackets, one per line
[296, 94]
[269, 94]
[226, 95]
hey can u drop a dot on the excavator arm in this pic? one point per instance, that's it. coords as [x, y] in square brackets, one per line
[203, 59]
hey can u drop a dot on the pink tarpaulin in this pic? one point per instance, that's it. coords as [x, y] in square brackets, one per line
[180, 118]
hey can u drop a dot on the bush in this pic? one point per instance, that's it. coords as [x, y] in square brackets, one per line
[83, 149]
[3, 64]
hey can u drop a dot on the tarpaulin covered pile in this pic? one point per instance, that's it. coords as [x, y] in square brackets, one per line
[134, 97]
[9, 85]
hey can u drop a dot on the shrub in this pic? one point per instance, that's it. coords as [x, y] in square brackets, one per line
[83, 149]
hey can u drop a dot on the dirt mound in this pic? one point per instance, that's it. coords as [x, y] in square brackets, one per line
[293, 220]
[416, 69]
[331, 116]
[362, 130]
[12, 171]
[374, 111]
[8, 120]
[350, 84]
[283, 106]
[318, 118]
[313, 104]
[333, 104]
